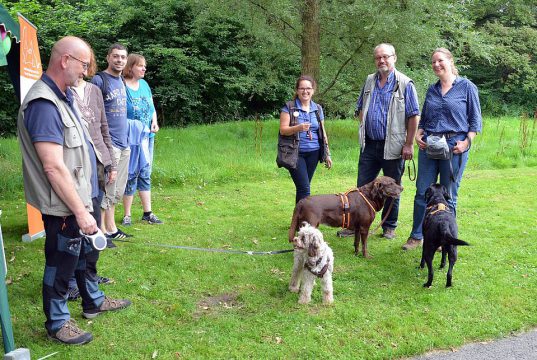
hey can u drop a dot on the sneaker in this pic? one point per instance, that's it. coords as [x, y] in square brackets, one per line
[73, 293]
[126, 220]
[107, 305]
[118, 235]
[388, 233]
[412, 243]
[345, 233]
[104, 280]
[110, 244]
[152, 219]
[71, 334]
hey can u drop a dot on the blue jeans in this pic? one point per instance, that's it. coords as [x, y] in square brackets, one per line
[369, 166]
[302, 175]
[428, 171]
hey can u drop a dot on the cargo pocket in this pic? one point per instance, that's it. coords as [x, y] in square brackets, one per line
[68, 245]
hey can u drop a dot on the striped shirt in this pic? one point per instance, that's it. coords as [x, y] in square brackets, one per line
[377, 114]
[457, 111]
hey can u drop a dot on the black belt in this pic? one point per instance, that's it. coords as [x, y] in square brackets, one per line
[447, 135]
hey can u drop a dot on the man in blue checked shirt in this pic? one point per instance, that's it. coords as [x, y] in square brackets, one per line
[388, 111]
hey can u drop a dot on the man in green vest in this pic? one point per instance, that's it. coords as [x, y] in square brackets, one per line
[60, 179]
[388, 112]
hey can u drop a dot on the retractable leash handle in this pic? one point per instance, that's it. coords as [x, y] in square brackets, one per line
[97, 240]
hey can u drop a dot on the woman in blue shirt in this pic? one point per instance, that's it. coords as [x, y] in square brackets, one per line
[451, 109]
[140, 107]
[310, 136]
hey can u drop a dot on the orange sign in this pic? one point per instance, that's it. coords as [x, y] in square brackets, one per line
[30, 72]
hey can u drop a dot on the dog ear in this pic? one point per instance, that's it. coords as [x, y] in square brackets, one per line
[445, 192]
[428, 194]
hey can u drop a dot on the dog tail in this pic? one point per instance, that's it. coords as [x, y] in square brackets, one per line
[294, 222]
[449, 239]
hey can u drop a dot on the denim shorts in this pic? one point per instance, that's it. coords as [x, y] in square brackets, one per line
[140, 181]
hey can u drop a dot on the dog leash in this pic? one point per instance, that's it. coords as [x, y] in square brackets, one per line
[273, 252]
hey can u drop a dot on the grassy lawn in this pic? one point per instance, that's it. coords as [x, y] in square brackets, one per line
[216, 187]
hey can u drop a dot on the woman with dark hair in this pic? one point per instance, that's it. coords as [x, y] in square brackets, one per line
[451, 111]
[140, 108]
[309, 119]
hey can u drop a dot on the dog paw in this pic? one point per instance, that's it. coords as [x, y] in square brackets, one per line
[303, 301]
[427, 285]
[293, 289]
[328, 300]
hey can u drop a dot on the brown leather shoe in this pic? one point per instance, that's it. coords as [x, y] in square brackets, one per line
[107, 305]
[412, 243]
[388, 233]
[71, 334]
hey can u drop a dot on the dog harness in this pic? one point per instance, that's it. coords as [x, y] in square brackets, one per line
[440, 207]
[320, 273]
[346, 218]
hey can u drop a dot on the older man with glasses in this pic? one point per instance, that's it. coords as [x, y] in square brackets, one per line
[60, 179]
[388, 111]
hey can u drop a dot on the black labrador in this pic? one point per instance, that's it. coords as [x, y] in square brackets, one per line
[439, 229]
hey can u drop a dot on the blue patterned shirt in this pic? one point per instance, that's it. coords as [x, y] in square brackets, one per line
[377, 114]
[457, 111]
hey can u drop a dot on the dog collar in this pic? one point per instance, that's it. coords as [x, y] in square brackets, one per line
[320, 273]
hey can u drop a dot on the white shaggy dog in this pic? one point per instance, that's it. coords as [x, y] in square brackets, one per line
[312, 258]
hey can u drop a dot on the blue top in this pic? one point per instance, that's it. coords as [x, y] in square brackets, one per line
[115, 104]
[44, 124]
[457, 111]
[377, 114]
[140, 104]
[306, 144]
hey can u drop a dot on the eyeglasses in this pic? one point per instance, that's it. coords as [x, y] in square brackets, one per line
[383, 57]
[85, 65]
[305, 89]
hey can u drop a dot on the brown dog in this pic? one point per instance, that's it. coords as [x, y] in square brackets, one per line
[364, 203]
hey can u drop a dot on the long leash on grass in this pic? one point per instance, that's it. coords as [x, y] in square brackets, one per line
[273, 252]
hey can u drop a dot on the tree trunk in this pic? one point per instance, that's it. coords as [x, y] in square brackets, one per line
[311, 38]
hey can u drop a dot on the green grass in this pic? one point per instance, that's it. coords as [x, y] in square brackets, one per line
[214, 190]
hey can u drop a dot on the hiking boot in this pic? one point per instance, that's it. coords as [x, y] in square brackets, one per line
[107, 305]
[345, 233]
[388, 233]
[152, 219]
[73, 293]
[412, 243]
[127, 221]
[71, 334]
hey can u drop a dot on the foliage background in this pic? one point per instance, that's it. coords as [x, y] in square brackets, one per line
[215, 60]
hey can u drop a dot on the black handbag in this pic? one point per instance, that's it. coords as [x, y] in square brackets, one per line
[288, 144]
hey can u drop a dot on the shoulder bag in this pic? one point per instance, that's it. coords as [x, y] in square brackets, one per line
[288, 144]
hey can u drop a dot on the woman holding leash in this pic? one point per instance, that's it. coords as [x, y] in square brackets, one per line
[304, 117]
[450, 119]
[140, 107]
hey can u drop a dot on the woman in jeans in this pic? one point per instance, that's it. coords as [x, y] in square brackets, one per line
[310, 136]
[451, 109]
[140, 108]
